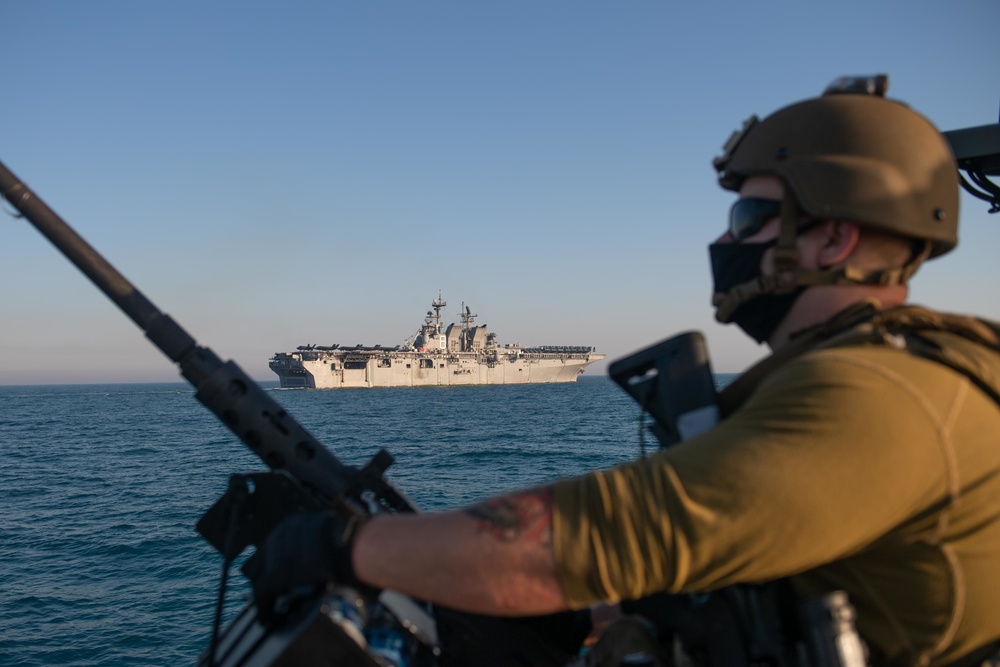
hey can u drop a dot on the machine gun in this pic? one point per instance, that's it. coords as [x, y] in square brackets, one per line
[339, 626]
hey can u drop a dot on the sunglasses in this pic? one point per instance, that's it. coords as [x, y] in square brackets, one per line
[749, 215]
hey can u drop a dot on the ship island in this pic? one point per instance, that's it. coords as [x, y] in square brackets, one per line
[459, 354]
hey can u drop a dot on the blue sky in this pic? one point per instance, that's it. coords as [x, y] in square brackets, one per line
[315, 172]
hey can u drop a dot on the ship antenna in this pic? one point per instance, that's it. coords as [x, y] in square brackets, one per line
[437, 305]
[467, 317]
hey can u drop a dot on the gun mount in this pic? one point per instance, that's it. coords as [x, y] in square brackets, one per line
[977, 151]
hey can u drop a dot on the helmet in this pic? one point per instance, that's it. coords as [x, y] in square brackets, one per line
[851, 154]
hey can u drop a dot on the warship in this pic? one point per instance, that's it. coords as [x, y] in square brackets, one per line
[435, 355]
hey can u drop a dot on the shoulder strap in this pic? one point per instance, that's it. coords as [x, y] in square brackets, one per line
[968, 345]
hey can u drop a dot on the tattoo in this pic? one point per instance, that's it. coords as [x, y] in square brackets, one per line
[509, 518]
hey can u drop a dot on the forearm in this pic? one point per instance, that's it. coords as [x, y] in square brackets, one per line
[492, 558]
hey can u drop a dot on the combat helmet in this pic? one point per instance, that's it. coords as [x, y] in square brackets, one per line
[850, 154]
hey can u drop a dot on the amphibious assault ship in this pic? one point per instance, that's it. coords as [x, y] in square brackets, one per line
[435, 355]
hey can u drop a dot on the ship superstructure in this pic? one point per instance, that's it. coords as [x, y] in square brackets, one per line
[458, 354]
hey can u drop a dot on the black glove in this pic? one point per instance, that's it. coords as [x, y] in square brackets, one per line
[300, 555]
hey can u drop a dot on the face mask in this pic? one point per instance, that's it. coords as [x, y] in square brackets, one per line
[737, 263]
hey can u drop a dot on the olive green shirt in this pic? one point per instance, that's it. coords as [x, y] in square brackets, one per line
[865, 469]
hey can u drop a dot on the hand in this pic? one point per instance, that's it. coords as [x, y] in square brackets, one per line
[301, 554]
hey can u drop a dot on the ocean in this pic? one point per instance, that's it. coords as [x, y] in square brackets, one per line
[101, 486]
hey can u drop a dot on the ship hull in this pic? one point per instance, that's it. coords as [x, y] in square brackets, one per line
[329, 370]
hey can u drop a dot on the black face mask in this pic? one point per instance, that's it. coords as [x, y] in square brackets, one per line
[736, 263]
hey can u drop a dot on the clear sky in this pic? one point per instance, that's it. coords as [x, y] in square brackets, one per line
[274, 174]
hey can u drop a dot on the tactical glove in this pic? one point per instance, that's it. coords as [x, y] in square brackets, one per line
[302, 554]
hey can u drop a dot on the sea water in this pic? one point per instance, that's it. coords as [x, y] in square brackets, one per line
[101, 485]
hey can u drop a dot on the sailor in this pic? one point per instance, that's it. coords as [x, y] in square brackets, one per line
[862, 456]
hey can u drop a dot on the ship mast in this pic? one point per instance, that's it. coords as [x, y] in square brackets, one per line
[467, 320]
[437, 305]
[467, 317]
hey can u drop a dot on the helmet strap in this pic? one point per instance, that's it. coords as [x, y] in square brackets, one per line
[727, 303]
[786, 255]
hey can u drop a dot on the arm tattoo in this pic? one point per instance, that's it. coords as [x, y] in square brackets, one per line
[509, 518]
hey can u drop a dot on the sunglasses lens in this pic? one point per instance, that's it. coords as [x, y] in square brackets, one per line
[747, 216]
